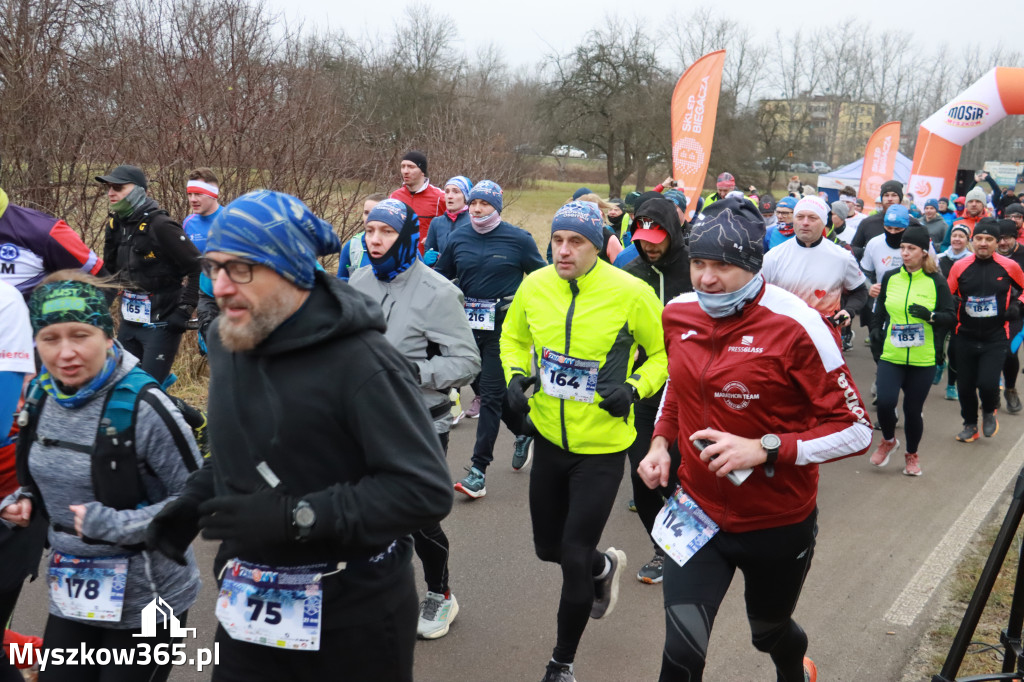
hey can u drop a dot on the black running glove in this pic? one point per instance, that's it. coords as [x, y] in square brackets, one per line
[618, 400]
[877, 337]
[174, 527]
[919, 311]
[248, 522]
[517, 399]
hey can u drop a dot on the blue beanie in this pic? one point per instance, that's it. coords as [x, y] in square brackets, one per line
[402, 254]
[934, 203]
[391, 212]
[276, 230]
[487, 191]
[897, 216]
[677, 198]
[786, 202]
[582, 217]
[463, 183]
[580, 192]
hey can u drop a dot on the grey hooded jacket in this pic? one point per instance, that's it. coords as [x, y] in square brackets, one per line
[426, 322]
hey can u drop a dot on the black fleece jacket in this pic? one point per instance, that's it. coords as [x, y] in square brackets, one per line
[336, 413]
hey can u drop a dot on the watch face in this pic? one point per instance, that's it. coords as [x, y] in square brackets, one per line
[771, 442]
[305, 516]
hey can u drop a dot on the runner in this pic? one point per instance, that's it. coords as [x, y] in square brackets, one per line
[320, 474]
[959, 248]
[353, 253]
[874, 225]
[841, 233]
[97, 518]
[489, 262]
[1008, 247]
[425, 322]
[157, 267]
[912, 302]
[34, 244]
[988, 289]
[456, 215]
[816, 269]
[203, 191]
[416, 192]
[20, 548]
[782, 231]
[585, 319]
[779, 409]
[665, 265]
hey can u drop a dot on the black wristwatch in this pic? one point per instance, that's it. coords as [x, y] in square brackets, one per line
[303, 519]
[771, 444]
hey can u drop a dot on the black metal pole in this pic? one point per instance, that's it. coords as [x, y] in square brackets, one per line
[986, 581]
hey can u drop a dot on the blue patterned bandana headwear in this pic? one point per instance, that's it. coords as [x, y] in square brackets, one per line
[403, 252]
[276, 230]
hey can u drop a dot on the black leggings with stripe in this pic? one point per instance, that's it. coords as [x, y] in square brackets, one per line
[774, 562]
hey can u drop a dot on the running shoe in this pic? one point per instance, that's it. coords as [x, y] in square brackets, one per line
[969, 434]
[810, 670]
[653, 571]
[631, 505]
[939, 369]
[473, 484]
[558, 672]
[880, 457]
[848, 341]
[989, 424]
[606, 589]
[436, 615]
[1013, 405]
[952, 393]
[913, 467]
[474, 408]
[523, 453]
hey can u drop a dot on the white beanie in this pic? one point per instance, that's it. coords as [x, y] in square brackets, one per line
[977, 194]
[813, 204]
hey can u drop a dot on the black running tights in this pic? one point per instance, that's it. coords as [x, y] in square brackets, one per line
[571, 497]
[774, 562]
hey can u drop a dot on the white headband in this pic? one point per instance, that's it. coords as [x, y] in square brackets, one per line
[200, 187]
[814, 205]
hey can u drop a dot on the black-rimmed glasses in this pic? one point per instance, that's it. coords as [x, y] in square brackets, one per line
[239, 271]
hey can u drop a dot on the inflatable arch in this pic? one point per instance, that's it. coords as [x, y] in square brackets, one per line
[998, 93]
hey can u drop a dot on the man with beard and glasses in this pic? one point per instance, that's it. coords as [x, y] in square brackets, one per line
[327, 460]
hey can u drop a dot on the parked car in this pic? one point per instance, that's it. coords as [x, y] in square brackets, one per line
[820, 167]
[799, 168]
[571, 152]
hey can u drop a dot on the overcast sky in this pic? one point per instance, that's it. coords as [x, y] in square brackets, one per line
[525, 30]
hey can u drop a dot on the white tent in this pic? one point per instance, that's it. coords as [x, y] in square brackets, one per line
[850, 175]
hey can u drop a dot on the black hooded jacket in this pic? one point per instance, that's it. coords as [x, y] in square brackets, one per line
[873, 225]
[336, 413]
[149, 253]
[670, 275]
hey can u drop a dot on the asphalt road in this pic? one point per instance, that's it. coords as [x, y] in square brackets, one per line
[885, 542]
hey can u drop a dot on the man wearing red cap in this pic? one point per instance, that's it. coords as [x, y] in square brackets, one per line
[416, 192]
